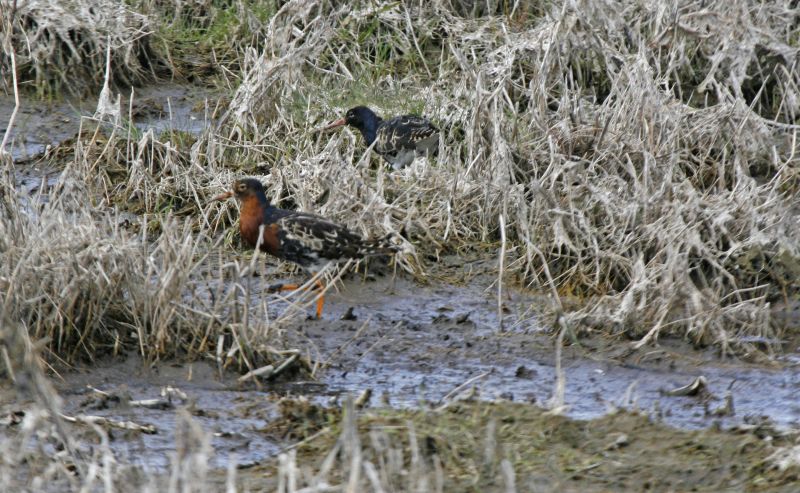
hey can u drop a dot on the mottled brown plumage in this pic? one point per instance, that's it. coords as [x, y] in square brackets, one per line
[309, 241]
[398, 140]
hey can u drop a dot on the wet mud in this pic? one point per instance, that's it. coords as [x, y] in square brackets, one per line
[39, 126]
[418, 343]
[413, 347]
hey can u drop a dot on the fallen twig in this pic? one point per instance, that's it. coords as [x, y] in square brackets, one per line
[102, 421]
[450, 395]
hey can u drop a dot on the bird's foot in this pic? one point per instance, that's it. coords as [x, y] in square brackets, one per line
[274, 288]
[281, 286]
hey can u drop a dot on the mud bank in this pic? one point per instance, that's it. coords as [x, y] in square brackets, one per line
[412, 347]
[419, 343]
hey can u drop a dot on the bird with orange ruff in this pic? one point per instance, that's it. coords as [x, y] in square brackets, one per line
[309, 241]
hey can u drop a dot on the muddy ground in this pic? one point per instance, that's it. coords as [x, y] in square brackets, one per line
[414, 346]
[39, 126]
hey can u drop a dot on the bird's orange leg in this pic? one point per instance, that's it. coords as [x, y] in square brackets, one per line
[293, 287]
[284, 287]
[320, 299]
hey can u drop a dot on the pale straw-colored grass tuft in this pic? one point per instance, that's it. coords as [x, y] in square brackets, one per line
[632, 161]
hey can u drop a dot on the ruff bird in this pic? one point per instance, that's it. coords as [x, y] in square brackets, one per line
[307, 240]
[398, 140]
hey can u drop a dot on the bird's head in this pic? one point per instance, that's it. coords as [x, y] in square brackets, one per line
[359, 117]
[243, 190]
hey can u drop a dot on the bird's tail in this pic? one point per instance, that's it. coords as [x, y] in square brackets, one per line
[387, 245]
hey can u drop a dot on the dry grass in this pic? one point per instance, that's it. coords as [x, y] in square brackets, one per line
[61, 46]
[643, 163]
[643, 159]
[78, 279]
[628, 148]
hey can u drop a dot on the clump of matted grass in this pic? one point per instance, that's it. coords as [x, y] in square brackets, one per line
[61, 47]
[77, 278]
[504, 446]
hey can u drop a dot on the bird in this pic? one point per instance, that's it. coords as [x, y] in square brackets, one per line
[398, 140]
[307, 240]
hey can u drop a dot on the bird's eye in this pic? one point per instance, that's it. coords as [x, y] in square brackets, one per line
[241, 187]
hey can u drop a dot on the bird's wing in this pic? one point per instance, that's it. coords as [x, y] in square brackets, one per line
[306, 234]
[403, 132]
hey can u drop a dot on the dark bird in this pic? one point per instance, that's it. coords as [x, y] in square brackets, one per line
[305, 239]
[398, 140]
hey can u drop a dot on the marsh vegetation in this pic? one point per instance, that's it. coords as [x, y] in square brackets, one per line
[631, 170]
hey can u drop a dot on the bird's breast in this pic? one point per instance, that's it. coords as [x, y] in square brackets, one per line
[250, 221]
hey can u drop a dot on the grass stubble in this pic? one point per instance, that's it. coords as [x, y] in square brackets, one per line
[640, 159]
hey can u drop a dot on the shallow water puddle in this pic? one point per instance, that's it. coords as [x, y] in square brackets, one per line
[429, 355]
[39, 125]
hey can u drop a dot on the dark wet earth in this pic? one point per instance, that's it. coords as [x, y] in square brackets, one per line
[409, 344]
[413, 345]
[40, 126]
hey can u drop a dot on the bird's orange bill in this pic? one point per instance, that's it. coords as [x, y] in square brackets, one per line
[222, 196]
[337, 123]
